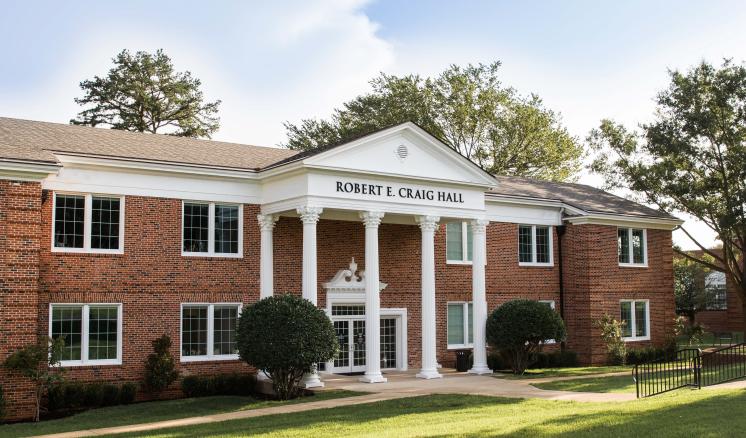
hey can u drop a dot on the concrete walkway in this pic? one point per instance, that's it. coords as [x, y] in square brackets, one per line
[399, 385]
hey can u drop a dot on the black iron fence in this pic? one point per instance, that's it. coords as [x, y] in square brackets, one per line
[691, 368]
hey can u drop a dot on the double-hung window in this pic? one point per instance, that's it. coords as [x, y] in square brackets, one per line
[535, 245]
[636, 317]
[208, 331]
[211, 229]
[631, 245]
[88, 223]
[460, 315]
[459, 242]
[92, 333]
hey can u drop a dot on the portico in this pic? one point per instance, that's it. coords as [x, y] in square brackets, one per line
[397, 176]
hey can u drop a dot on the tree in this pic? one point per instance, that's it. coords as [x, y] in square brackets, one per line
[519, 328]
[611, 334]
[690, 288]
[160, 367]
[285, 336]
[466, 107]
[143, 93]
[41, 363]
[690, 159]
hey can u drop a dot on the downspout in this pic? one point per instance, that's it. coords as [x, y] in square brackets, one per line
[561, 232]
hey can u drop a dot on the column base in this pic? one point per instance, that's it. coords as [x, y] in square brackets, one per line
[312, 380]
[478, 370]
[373, 378]
[429, 374]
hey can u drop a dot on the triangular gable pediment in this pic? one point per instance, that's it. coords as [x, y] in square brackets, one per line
[405, 151]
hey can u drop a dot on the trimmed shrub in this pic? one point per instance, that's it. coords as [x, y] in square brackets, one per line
[74, 395]
[109, 395]
[556, 359]
[2, 404]
[518, 329]
[496, 362]
[285, 336]
[93, 395]
[646, 354]
[219, 384]
[160, 367]
[127, 393]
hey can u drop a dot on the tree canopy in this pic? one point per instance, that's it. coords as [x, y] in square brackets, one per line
[691, 158]
[466, 107]
[143, 93]
[690, 287]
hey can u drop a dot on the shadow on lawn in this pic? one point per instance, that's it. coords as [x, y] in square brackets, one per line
[665, 416]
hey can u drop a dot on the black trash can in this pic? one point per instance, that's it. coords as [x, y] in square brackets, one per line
[462, 360]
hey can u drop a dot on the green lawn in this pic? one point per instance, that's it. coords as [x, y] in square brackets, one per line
[592, 384]
[683, 413]
[565, 372]
[156, 411]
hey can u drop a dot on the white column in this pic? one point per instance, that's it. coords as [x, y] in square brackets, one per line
[310, 216]
[479, 296]
[429, 370]
[372, 219]
[266, 255]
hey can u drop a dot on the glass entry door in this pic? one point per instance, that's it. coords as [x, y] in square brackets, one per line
[351, 338]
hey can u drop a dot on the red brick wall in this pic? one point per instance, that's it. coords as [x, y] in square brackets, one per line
[20, 204]
[595, 283]
[728, 320]
[151, 279]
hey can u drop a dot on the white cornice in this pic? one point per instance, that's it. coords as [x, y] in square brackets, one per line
[626, 220]
[19, 170]
[153, 166]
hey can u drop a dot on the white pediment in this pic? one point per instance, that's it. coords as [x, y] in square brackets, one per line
[404, 151]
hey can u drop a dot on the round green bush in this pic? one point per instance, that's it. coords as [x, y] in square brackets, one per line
[518, 329]
[285, 336]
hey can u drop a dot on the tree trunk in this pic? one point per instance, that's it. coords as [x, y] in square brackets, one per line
[742, 296]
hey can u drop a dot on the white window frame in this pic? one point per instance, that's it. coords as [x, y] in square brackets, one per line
[464, 246]
[717, 279]
[551, 306]
[631, 263]
[211, 231]
[85, 313]
[210, 332]
[533, 261]
[633, 338]
[87, 223]
[467, 325]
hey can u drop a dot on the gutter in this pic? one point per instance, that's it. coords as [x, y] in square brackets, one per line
[560, 233]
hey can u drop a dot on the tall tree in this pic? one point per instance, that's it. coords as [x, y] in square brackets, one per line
[143, 93]
[466, 107]
[690, 287]
[690, 159]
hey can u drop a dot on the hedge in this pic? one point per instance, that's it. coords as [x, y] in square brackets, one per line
[218, 384]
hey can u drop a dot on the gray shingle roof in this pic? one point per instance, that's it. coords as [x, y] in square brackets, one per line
[584, 197]
[27, 140]
[34, 141]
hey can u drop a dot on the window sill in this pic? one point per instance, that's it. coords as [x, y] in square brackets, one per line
[535, 265]
[458, 262]
[643, 338]
[87, 251]
[208, 255]
[209, 358]
[89, 363]
[633, 265]
[460, 347]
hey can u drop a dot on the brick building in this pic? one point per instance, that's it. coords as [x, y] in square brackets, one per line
[111, 239]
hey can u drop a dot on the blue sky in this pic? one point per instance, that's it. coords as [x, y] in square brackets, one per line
[275, 61]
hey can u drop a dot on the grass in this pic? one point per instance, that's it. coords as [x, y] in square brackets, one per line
[592, 384]
[683, 413]
[156, 411]
[566, 372]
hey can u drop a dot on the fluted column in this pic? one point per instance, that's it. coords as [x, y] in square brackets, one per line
[429, 370]
[310, 217]
[266, 255]
[372, 219]
[479, 296]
